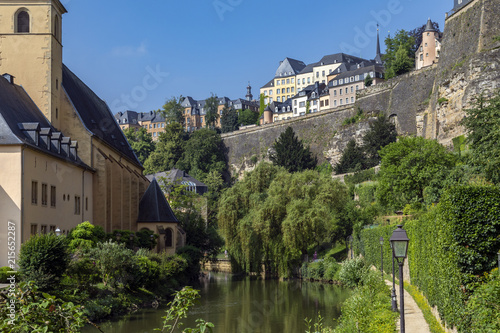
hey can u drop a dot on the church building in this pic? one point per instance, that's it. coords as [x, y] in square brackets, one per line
[63, 156]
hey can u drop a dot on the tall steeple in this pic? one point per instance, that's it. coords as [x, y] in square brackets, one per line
[378, 57]
[249, 95]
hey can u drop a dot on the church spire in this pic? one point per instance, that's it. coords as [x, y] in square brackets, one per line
[249, 95]
[378, 57]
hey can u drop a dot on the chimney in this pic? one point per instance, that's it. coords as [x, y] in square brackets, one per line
[65, 144]
[56, 141]
[32, 130]
[45, 134]
[9, 77]
[73, 150]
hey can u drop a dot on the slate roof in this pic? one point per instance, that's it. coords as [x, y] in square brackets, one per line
[309, 68]
[429, 27]
[127, 117]
[96, 115]
[289, 67]
[269, 84]
[358, 71]
[176, 176]
[20, 119]
[339, 58]
[154, 207]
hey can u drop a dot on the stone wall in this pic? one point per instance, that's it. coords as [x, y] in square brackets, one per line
[322, 131]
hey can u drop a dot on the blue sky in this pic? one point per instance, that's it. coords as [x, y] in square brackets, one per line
[136, 54]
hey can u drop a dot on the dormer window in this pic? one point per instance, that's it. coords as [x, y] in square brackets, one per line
[23, 22]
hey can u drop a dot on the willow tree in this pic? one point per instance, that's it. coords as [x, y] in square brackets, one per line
[274, 217]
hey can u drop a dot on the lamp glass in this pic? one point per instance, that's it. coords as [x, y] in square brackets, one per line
[399, 248]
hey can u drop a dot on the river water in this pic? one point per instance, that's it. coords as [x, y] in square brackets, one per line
[241, 305]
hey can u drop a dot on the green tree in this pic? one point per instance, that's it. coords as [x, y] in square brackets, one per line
[141, 142]
[290, 153]
[368, 81]
[408, 167]
[308, 107]
[203, 152]
[173, 110]
[262, 104]
[229, 120]
[169, 149]
[402, 38]
[381, 133]
[248, 117]
[483, 126]
[85, 236]
[352, 159]
[211, 108]
[402, 64]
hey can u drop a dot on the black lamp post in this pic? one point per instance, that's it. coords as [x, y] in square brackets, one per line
[394, 300]
[352, 250]
[382, 257]
[118, 237]
[399, 240]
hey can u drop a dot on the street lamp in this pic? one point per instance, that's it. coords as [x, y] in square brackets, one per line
[394, 300]
[382, 257]
[399, 240]
[118, 237]
[58, 231]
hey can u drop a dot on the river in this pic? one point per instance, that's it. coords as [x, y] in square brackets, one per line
[241, 305]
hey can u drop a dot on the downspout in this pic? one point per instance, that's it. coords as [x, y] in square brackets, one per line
[22, 194]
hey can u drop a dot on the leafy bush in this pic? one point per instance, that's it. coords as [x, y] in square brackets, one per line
[83, 270]
[369, 308]
[353, 272]
[114, 262]
[39, 312]
[146, 272]
[6, 272]
[360, 177]
[483, 307]
[85, 236]
[44, 259]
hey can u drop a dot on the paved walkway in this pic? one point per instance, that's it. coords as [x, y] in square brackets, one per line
[414, 318]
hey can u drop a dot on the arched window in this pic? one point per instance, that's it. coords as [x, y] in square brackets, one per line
[169, 238]
[23, 22]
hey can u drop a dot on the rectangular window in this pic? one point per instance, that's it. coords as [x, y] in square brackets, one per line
[293, 89]
[270, 100]
[283, 81]
[265, 92]
[327, 102]
[295, 102]
[347, 101]
[352, 89]
[278, 82]
[295, 111]
[52, 229]
[335, 103]
[278, 91]
[346, 90]
[287, 81]
[52, 196]
[357, 87]
[270, 92]
[34, 192]
[341, 101]
[335, 93]
[34, 229]
[287, 90]
[352, 99]
[315, 102]
[340, 91]
[304, 81]
[77, 205]
[308, 80]
[293, 80]
[278, 99]
[323, 74]
[322, 104]
[302, 104]
[44, 194]
[317, 75]
[43, 229]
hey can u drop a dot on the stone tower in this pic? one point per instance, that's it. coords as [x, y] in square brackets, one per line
[428, 52]
[249, 95]
[31, 50]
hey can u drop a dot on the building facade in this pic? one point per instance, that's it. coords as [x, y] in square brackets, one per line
[430, 48]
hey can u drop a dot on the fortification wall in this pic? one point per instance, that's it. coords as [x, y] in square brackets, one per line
[428, 102]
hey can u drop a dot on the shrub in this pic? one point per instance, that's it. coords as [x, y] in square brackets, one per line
[332, 270]
[82, 270]
[483, 307]
[353, 272]
[44, 259]
[146, 272]
[114, 262]
[85, 236]
[6, 272]
[40, 312]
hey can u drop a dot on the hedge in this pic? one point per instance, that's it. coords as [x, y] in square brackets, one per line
[452, 248]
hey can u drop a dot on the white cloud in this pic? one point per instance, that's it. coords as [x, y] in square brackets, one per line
[130, 51]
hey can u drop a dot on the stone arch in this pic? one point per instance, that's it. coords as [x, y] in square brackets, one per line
[22, 21]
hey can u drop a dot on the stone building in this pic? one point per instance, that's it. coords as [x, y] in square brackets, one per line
[31, 51]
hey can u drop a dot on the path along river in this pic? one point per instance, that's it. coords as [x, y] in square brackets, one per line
[241, 305]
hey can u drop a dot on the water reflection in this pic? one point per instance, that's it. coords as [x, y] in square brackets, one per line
[240, 305]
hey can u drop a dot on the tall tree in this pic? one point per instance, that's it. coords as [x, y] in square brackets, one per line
[141, 142]
[248, 117]
[408, 167]
[402, 64]
[483, 125]
[203, 152]
[169, 149]
[173, 110]
[402, 38]
[352, 159]
[381, 133]
[211, 108]
[290, 153]
[229, 120]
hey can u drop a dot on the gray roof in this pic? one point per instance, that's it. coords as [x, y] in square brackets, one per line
[127, 117]
[96, 115]
[358, 71]
[289, 67]
[309, 68]
[429, 27]
[269, 84]
[152, 116]
[21, 122]
[188, 102]
[154, 207]
[339, 58]
[176, 176]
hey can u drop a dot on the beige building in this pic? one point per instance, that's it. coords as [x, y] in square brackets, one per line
[44, 184]
[430, 48]
[31, 51]
[284, 84]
